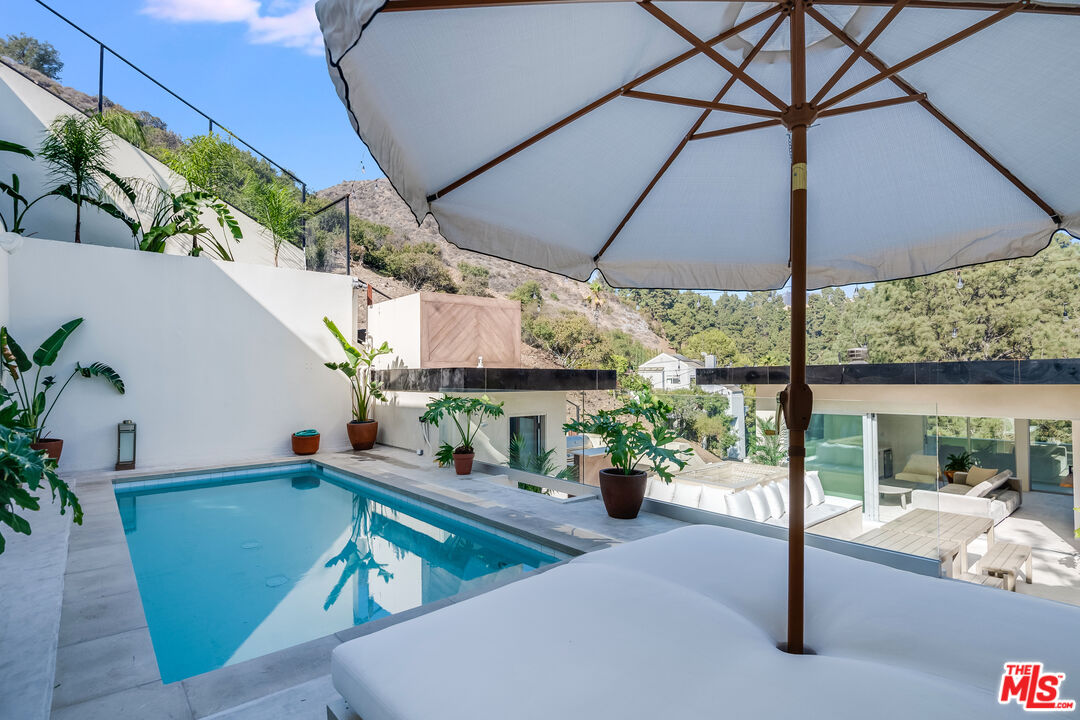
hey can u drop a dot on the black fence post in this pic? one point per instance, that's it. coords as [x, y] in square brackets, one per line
[348, 239]
[101, 79]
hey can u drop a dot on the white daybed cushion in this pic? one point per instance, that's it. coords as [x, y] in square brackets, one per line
[776, 503]
[660, 490]
[981, 489]
[686, 494]
[759, 504]
[713, 499]
[782, 486]
[813, 486]
[702, 608]
[739, 505]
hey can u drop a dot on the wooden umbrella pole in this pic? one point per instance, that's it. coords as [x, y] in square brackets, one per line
[796, 398]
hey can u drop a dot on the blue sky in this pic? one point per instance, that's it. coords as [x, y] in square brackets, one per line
[256, 67]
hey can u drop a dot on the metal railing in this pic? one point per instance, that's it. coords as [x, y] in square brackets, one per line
[212, 123]
[348, 232]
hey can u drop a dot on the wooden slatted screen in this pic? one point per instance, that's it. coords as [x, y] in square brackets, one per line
[456, 330]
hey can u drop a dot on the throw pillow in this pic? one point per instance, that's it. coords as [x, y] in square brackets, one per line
[686, 494]
[776, 503]
[713, 499]
[977, 474]
[813, 484]
[759, 504]
[662, 491]
[739, 505]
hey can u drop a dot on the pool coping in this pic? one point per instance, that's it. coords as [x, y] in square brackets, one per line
[105, 659]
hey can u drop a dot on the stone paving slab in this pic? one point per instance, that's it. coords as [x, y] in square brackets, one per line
[103, 666]
[145, 702]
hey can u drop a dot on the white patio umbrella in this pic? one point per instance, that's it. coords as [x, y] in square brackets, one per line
[724, 145]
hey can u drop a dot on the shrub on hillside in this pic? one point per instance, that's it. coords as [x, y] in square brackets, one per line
[474, 279]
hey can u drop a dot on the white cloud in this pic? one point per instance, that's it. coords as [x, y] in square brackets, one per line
[291, 23]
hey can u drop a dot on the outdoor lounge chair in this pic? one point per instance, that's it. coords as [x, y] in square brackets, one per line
[685, 625]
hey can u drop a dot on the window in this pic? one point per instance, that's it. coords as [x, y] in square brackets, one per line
[674, 381]
[529, 427]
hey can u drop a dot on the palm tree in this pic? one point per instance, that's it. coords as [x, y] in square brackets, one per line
[278, 210]
[770, 447]
[77, 151]
[594, 297]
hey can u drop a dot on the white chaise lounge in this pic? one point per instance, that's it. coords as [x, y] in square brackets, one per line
[684, 625]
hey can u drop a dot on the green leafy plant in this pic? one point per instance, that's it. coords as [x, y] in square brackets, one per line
[357, 367]
[181, 215]
[13, 190]
[635, 432]
[124, 125]
[32, 399]
[539, 463]
[77, 151]
[467, 414]
[278, 209]
[23, 471]
[960, 462]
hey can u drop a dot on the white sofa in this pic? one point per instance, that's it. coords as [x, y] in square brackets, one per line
[768, 502]
[996, 498]
[684, 625]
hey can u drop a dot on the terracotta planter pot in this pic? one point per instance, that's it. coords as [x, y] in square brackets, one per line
[51, 446]
[463, 463]
[623, 494]
[305, 444]
[362, 434]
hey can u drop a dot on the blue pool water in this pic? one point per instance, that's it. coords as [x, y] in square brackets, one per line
[236, 566]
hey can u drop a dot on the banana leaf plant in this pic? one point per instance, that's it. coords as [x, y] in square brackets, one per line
[32, 397]
[14, 191]
[23, 471]
[357, 367]
[181, 215]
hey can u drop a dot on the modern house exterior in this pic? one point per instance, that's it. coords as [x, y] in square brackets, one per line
[670, 371]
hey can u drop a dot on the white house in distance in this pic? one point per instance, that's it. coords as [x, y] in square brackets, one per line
[671, 371]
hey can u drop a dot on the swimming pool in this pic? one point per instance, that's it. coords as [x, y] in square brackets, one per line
[234, 565]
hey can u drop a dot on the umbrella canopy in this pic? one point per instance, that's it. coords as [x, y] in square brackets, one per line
[725, 145]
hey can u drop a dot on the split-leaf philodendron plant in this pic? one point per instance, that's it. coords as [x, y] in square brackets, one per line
[628, 440]
[357, 367]
[467, 414]
[31, 399]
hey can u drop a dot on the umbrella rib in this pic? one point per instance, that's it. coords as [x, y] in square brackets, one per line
[1035, 8]
[712, 54]
[940, 116]
[690, 134]
[580, 112]
[846, 65]
[735, 129]
[420, 5]
[705, 104]
[892, 70]
[918, 97]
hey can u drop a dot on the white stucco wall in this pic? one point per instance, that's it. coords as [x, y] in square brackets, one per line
[399, 423]
[398, 323]
[27, 110]
[222, 361]
[5, 293]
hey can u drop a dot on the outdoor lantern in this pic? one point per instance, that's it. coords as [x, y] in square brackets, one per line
[125, 445]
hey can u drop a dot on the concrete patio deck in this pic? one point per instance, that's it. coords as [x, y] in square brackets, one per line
[104, 659]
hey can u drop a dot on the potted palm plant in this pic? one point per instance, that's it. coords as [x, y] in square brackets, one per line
[32, 398]
[365, 389]
[959, 462]
[467, 414]
[630, 442]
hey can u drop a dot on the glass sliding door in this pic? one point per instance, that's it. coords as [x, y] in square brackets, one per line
[1051, 456]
